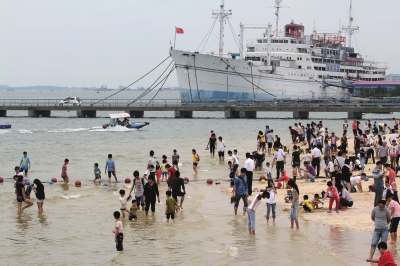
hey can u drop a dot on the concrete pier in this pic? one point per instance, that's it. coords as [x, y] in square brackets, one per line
[354, 115]
[183, 114]
[3, 113]
[37, 113]
[300, 115]
[136, 114]
[86, 113]
[248, 114]
[232, 114]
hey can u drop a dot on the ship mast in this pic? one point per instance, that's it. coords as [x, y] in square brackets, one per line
[350, 29]
[222, 15]
[277, 6]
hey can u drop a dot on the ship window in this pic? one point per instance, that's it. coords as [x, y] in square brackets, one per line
[320, 76]
[308, 67]
[307, 59]
[286, 41]
[299, 67]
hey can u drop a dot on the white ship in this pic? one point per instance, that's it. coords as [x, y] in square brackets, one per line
[286, 64]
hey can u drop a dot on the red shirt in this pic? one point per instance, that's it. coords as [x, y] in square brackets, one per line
[354, 125]
[171, 171]
[386, 259]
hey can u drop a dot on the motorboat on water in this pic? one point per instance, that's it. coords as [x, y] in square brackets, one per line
[116, 122]
[5, 126]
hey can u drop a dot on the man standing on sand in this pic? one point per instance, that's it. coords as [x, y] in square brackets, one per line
[280, 159]
[381, 216]
[196, 159]
[378, 174]
[270, 140]
[152, 161]
[249, 165]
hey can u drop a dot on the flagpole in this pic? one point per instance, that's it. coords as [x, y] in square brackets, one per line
[175, 38]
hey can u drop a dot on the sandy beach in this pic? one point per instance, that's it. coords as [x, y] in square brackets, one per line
[358, 217]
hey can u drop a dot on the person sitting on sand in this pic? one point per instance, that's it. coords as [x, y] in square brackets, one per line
[316, 201]
[345, 199]
[386, 258]
[306, 204]
[309, 171]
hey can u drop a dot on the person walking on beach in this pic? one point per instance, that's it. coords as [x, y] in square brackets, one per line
[177, 184]
[196, 159]
[138, 184]
[221, 149]
[383, 152]
[280, 159]
[316, 159]
[211, 143]
[261, 139]
[394, 209]
[20, 192]
[270, 140]
[249, 165]
[378, 175]
[25, 163]
[111, 169]
[175, 160]
[150, 195]
[381, 217]
[271, 201]
[240, 191]
[40, 196]
[64, 173]
[152, 161]
[295, 204]
[251, 212]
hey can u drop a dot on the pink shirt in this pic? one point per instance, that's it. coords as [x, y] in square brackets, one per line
[392, 179]
[396, 206]
[333, 139]
[334, 192]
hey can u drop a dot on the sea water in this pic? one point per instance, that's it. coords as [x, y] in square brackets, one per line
[76, 227]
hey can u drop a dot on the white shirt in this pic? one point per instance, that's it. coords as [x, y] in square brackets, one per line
[279, 155]
[270, 137]
[235, 159]
[346, 195]
[268, 170]
[316, 153]
[272, 198]
[152, 161]
[249, 164]
[221, 145]
[355, 180]
[307, 157]
[322, 131]
[254, 205]
[330, 167]
[392, 137]
[122, 202]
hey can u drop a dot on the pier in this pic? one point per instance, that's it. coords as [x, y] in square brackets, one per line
[231, 109]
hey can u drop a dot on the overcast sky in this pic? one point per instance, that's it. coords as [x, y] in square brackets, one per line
[78, 43]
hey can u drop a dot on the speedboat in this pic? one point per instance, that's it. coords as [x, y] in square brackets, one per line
[5, 126]
[115, 122]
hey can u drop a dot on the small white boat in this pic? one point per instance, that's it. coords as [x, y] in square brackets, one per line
[115, 122]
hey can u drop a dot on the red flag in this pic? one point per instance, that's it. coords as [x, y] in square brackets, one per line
[179, 30]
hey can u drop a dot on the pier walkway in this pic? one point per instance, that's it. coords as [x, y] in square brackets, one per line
[231, 108]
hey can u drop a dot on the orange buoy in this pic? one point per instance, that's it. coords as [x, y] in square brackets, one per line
[127, 180]
[54, 180]
[78, 183]
[186, 179]
[209, 181]
[1, 179]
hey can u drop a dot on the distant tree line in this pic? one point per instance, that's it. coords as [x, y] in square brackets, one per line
[378, 92]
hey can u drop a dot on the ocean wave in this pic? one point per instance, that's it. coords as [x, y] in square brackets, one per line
[228, 250]
[76, 196]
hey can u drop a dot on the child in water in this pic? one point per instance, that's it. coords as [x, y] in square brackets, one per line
[118, 231]
[97, 173]
[133, 210]
[306, 204]
[231, 173]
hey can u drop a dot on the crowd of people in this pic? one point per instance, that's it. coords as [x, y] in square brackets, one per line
[312, 148]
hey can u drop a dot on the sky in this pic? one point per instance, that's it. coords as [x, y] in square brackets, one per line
[90, 43]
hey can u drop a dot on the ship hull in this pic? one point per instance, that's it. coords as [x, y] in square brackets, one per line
[209, 78]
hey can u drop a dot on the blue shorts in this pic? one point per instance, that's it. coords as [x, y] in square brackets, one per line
[293, 212]
[164, 173]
